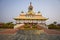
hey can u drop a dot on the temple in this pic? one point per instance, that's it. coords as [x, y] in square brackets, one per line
[31, 17]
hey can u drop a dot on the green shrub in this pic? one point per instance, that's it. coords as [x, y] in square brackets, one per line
[7, 25]
[52, 26]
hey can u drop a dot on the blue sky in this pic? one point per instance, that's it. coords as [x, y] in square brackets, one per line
[12, 8]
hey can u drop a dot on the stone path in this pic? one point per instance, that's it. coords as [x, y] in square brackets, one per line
[50, 31]
[29, 35]
[8, 31]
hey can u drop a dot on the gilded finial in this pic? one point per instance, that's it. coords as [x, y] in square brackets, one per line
[30, 3]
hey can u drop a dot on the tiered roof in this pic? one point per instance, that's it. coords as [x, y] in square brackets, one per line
[30, 15]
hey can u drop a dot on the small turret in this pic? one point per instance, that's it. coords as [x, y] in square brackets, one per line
[22, 12]
[38, 11]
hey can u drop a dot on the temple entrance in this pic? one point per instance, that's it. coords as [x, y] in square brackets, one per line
[31, 25]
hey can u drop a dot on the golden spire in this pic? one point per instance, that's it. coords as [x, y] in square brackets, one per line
[30, 8]
[30, 3]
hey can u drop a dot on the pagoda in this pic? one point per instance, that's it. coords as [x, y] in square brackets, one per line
[31, 17]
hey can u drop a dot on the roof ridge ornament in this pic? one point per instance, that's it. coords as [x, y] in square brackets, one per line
[30, 3]
[30, 8]
[22, 11]
[38, 11]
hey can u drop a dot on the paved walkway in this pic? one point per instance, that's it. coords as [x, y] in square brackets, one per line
[28, 35]
[8, 31]
[12, 31]
[49, 31]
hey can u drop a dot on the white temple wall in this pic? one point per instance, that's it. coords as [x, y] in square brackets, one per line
[29, 21]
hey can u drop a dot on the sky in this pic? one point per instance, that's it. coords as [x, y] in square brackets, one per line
[9, 9]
